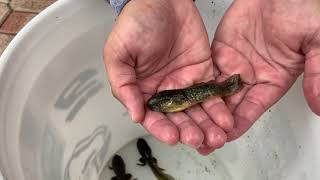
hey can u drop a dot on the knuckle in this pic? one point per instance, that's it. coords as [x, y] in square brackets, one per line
[225, 123]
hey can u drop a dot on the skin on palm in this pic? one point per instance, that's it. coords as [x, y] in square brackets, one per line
[270, 43]
[158, 45]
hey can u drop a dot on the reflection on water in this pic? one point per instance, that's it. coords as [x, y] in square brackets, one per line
[78, 92]
[88, 155]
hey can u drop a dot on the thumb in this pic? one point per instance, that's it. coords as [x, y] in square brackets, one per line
[311, 81]
[122, 78]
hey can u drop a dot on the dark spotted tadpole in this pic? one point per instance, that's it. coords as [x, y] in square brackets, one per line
[180, 99]
[148, 159]
[119, 169]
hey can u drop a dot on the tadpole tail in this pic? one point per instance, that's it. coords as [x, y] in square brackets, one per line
[231, 85]
[159, 174]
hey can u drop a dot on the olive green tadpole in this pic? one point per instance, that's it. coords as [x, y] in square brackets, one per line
[180, 99]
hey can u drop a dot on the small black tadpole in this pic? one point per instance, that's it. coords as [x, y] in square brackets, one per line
[119, 169]
[148, 159]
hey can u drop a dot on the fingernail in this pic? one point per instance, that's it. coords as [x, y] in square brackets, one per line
[193, 146]
[197, 146]
[133, 118]
[135, 121]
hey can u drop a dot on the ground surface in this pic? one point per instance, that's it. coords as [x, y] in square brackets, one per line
[14, 14]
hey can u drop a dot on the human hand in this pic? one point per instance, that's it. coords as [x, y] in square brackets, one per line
[270, 43]
[163, 44]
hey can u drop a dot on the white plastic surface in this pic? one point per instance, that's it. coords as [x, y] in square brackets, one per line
[58, 119]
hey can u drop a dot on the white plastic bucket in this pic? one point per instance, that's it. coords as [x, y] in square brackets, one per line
[59, 121]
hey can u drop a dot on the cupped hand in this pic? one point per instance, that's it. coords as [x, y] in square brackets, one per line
[163, 44]
[270, 43]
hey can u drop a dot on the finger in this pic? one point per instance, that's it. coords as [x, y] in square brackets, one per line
[190, 133]
[258, 99]
[122, 78]
[205, 150]
[311, 82]
[219, 112]
[160, 127]
[214, 136]
[230, 62]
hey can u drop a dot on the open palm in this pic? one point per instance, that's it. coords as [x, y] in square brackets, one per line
[163, 44]
[270, 43]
